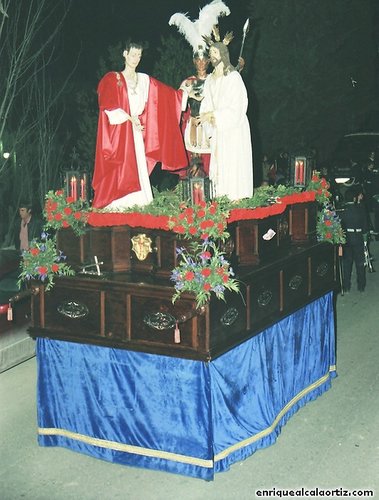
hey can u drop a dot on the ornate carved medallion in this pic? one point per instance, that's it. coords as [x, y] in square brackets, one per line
[72, 309]
[141, 246]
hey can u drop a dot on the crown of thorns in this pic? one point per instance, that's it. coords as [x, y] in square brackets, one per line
[216, 37]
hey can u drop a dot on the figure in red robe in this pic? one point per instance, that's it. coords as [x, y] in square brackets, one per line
[139, 125]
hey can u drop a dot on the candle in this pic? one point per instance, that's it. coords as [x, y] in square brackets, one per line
[74, 188]
[301, 172]
[82, 190]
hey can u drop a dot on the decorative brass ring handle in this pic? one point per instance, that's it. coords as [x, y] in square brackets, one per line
[264, 298]
[322, 269]
[166, 321]
[229, 317]
[73, 310]
[295, 282]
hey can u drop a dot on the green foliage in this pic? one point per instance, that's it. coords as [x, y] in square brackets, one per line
[329, 227]
[203, 271]
[43, 262]
[63, 212]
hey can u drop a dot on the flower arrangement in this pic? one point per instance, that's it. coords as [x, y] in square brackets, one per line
[202, 220]
[63, 211]
[321, 188]
[43, 262]
[203, 271]
[329, 226]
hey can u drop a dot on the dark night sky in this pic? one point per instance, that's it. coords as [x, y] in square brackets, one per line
[93, 26]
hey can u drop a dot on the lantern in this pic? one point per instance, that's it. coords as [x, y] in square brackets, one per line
[76, 184]
[196, 189]
[301, 167]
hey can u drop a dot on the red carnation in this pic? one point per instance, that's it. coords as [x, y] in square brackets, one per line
[225, 278]
[328, 235]
[328, 222]
[42, 270]
[59, 192]
[55, 268]
[77, 215]
[201, 214]
[58, 217]
[206, 272]
[192, 230]
[34, 251]
[51, 205]
[207, 287]
[204, 236]
[188, 211]
[70, 199]
[189, 276]
[201, 204]
[212, 210]
[67, 210]
[65, 224]
[206, 255]
[315, 178]
[179, 229]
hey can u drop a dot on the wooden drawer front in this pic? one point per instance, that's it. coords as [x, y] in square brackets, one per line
[74, 309]
[295, 278]
[111, 245]
[228, 319]
[264, 297]
[302, 221]
[252, 248]
[75, 248]
[153, 319]
[322, 269]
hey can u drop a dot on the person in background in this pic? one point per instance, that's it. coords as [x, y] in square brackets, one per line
[268, 167]
[354, 222]
[28, 228]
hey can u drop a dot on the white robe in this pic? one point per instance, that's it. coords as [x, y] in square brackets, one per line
[137, 102]
[231, 165]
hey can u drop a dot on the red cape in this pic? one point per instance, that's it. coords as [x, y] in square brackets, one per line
[116, 173]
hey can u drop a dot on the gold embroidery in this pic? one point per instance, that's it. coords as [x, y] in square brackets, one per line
[118, 76]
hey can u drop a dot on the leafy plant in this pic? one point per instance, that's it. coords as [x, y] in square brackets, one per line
[203, 271]
[321, 188]
[202, 220]
[43, 262]
[63, 212]
[329, 226]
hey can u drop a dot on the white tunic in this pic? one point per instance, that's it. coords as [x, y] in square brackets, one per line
[137, 102]
[231, 166]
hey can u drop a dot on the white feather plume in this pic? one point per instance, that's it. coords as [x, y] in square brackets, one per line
[187, 28]
[208, 16]
[194, 31]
